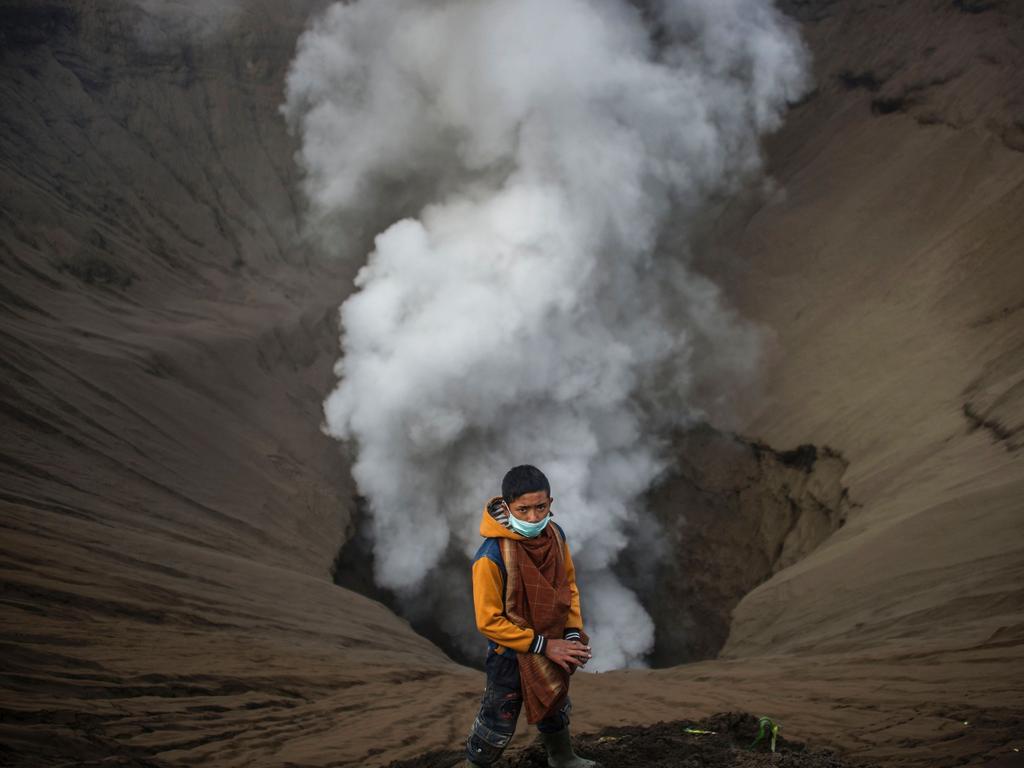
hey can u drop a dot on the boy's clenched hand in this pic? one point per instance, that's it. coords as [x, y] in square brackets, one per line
[568, 654]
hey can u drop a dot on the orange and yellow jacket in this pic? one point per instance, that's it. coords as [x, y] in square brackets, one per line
[489, 588]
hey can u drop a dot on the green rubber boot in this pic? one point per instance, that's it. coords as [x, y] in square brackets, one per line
[560, 754]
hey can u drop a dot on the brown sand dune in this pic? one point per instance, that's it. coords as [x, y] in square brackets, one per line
[171, 512]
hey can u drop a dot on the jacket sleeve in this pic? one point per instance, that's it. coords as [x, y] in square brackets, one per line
[489, 605]
[574, 622]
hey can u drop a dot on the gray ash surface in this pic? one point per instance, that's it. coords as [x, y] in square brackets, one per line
[668, 745]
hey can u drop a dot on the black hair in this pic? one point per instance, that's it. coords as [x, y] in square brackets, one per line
[525, 478]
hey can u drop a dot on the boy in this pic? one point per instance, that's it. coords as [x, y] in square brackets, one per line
[528, 607]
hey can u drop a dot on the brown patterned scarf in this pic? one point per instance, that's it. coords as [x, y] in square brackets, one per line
[537, 595]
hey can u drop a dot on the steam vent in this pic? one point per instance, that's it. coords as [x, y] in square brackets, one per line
[551, 383]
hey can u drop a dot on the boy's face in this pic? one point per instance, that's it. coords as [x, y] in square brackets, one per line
[531, 507]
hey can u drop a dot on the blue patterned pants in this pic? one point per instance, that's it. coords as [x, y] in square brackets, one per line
[499, 710]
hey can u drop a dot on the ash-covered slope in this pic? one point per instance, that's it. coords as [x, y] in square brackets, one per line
[171, 511]
[164, 336]
[892, 269]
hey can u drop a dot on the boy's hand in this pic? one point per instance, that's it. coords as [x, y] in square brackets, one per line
[568, 654]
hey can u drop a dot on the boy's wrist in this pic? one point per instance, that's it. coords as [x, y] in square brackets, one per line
[539, 643]
[571, 633]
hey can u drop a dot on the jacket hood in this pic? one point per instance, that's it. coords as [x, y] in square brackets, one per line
[492, 523]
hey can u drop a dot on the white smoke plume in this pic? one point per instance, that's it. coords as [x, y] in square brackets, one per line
[524, 312]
